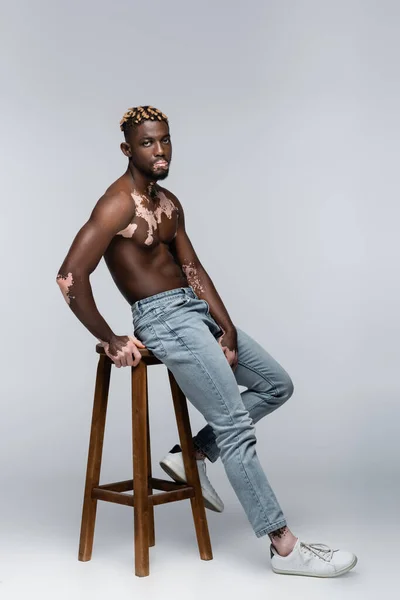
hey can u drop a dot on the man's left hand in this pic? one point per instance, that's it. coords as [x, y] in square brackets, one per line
[228, 343]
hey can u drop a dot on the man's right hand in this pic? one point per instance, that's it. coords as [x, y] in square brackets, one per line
[120, 350]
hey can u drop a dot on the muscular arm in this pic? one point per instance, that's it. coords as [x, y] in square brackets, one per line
[110, 215]
[196, 274]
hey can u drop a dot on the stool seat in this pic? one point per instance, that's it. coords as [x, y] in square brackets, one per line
[143, 483]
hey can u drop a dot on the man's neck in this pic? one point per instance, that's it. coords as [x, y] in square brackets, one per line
[143, 185]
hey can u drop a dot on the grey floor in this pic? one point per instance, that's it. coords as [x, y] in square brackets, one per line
[40, 523]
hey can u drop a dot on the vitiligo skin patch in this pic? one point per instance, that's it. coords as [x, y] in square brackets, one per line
[192, 276]
[230, 354]
[152, 218]
[128, 231]
[166, 206]
[120, 353]
[66, 283]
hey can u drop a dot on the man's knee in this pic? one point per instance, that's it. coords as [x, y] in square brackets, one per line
[288, 388]
[284, 387]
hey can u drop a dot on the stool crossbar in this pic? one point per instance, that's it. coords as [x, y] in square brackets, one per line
[143, 483]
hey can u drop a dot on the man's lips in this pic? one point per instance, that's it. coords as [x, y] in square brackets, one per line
[163, 164]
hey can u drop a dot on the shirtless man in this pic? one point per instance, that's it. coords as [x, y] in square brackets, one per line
[139, 228]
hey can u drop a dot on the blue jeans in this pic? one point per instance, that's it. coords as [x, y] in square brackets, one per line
[178, 328]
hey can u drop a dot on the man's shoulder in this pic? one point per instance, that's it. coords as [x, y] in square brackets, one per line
[117, 197]
[170, 196]
[119, 190]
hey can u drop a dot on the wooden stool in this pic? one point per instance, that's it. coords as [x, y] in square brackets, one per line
[142, 484]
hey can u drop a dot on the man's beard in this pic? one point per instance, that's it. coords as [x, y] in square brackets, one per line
[160, 176]
[155, 175]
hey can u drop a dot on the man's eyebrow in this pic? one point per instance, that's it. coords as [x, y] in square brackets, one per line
[149, 137]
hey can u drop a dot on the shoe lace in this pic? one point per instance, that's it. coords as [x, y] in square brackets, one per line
[321, 551]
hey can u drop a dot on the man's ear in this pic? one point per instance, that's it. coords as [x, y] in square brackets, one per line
[126, 149]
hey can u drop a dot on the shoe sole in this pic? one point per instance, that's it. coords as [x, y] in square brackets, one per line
[341, 572]
[169, 467]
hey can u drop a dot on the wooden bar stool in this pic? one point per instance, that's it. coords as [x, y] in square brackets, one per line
[142, 484]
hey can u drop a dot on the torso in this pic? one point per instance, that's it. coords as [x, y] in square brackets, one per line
[152, 224]
[139, 257]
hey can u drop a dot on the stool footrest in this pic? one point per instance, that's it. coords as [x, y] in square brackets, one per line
[118, 486]
[114, 492]
[158, 484]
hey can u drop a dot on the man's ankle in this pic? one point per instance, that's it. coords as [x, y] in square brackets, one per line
[284, 551]
[199, 455]
[283, 540]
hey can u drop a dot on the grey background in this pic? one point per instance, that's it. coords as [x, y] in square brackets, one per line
[285, 125]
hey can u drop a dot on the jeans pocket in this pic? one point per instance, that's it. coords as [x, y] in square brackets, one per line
[146, 333]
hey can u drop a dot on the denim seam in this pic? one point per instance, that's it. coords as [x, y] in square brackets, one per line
[272, 527]
[150, 327]
[157, 339]
[260, 404]
[165, 311]
[243, 364]
[212, 456]
[208, 446]
[159, 299]
[261, 508]
[206, 449]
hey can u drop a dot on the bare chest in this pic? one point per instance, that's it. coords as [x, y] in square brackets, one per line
[151, 226]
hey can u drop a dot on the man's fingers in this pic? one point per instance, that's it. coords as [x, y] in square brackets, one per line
[136, 341]
[120, 358]
[135, 352]
[231, 356]
[138, 358]
[123, 358]
[129, 360]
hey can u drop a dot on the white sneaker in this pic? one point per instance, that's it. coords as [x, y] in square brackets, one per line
[172, 464]
[313, 560]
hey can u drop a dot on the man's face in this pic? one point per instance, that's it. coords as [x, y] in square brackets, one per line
[151, 149]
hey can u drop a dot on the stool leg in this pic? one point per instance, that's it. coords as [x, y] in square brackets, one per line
[152, 537]
[189, 461]
[94, 457]
[140, 469]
